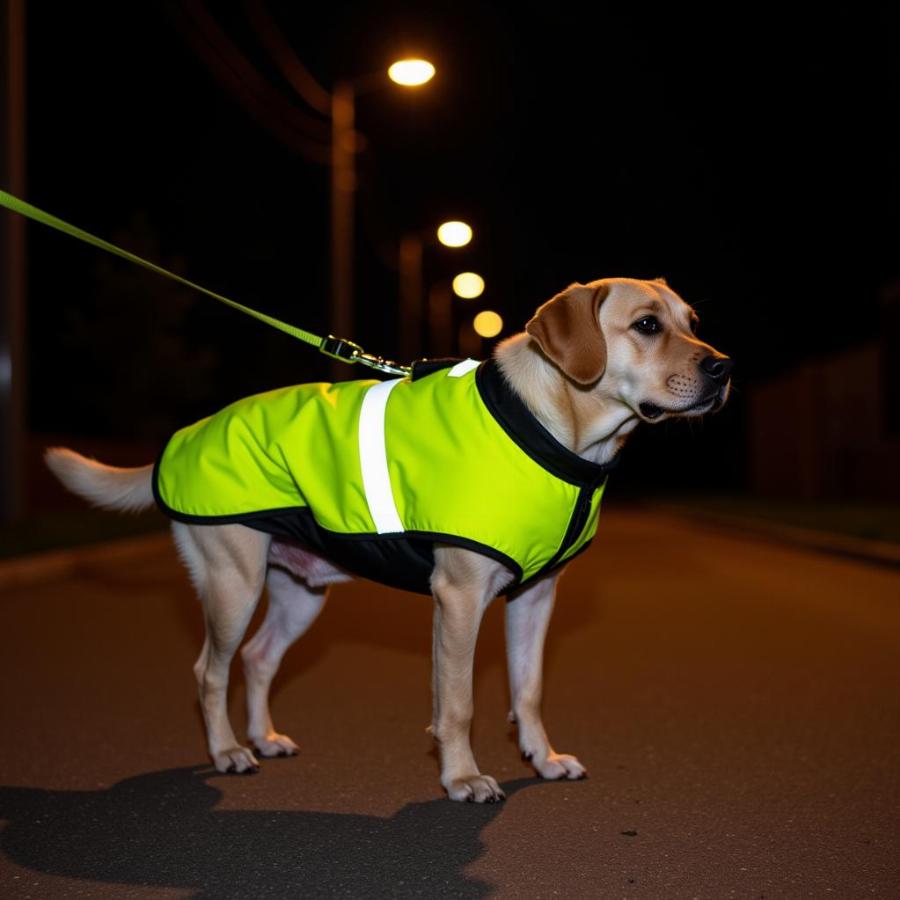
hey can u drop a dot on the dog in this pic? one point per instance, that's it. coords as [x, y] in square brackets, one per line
[594, 362]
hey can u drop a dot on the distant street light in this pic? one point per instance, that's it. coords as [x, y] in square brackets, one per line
[439, 307]
[411, 72]
[454, 234]
[487, 324]
[468, 285]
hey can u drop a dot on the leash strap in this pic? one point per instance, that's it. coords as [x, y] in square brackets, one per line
[338, 348]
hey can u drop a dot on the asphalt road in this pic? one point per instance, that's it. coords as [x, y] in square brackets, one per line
[737, 705]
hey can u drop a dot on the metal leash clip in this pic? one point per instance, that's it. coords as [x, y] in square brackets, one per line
[383, 365]
[350, 352]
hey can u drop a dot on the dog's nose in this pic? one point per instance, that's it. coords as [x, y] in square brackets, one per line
[716, 367]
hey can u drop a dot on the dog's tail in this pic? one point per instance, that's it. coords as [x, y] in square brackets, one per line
[126, 490]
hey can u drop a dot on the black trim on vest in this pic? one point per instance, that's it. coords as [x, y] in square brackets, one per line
[229, 519]
[423, 367]
[578, 520]
[524, 429]
[516, 589]
[404, 560]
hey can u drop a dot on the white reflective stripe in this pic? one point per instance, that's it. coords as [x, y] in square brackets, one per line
[373, 458]
[462, 367]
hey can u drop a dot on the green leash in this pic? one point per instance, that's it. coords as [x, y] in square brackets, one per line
[338, 348]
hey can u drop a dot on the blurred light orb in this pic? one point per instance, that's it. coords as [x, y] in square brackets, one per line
[454, 234]
[411, 72]
[488, 324]
[468, 285]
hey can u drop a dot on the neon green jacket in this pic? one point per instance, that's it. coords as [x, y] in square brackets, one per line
[372, 474]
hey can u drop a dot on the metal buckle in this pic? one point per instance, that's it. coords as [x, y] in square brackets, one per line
[340, 348]
[383, 365]
[349, 352]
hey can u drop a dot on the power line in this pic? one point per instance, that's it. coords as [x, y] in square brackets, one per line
[303, 133]
[287, 61]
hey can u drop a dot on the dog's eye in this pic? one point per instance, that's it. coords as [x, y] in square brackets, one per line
[695, 324]
[648, 325]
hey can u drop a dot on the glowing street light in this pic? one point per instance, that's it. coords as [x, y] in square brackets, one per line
[411, 72]
[468, 285]
[488, 324]
[454, 234]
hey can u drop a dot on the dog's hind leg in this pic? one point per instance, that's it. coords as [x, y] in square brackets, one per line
[293, 607]
[228, 565]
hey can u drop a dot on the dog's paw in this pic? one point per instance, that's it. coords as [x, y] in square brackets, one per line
[239, 760]
[274, 744]
[475, 789]
[558, 766]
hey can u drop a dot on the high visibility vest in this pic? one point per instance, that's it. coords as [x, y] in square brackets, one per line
[372, 474]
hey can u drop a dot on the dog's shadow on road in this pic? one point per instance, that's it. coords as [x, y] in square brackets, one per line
[162, 829]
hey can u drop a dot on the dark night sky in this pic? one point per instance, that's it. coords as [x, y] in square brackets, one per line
[744, 156]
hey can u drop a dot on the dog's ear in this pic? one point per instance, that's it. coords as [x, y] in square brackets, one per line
[567, 328]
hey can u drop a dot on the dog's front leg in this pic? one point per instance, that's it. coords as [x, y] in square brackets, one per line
[527, 618]
[463, 585]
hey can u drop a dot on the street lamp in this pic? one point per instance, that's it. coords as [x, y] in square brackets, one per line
[454, 234]
[468, 285]
[409, 73]
[412, 245]
[472, 332]
[487, 324]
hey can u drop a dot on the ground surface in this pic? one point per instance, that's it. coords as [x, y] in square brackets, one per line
[863, 519]
[737, 705]
[73, 528]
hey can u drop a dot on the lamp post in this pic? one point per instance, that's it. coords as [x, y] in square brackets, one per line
[409, 73]
[412, 245]
[12, 261]
[410, 266]
[343, 185]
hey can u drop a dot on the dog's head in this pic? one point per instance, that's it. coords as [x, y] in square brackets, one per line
[635, 341]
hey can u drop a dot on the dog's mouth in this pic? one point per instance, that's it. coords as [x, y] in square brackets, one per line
[720, 397]
[711, 402]
[650, 410]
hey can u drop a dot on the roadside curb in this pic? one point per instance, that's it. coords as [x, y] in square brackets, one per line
[884, 553]
[39, 567]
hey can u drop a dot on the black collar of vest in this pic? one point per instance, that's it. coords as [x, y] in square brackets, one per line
[522, 426]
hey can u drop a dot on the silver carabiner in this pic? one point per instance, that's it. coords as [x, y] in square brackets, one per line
[381, 364]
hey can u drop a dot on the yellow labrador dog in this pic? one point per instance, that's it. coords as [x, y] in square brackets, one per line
[593, 362]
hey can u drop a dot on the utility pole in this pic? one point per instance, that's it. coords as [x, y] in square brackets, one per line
[12, 260]
[410, 73]
[410, 261]
[440, 320]
[343, 186]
